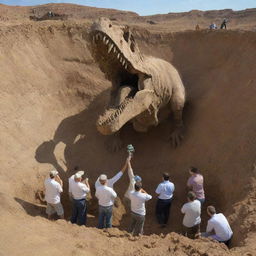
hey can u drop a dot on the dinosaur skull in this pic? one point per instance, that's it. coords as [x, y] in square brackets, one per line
[118, 56]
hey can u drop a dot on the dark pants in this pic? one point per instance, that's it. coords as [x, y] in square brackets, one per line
[162, 210]
[223, 25]
[105, 216]
[137, 224]
[192, 232]
[79, 212]
[201, 200]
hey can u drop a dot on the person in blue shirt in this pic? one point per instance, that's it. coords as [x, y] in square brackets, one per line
[164, 193]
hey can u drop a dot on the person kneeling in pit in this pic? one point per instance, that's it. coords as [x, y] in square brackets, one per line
[138, 198]
[79, 191]
[218, 227]
[192, 219]
[53, 188]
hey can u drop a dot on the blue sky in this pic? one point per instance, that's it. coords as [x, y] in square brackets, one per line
[147, 7]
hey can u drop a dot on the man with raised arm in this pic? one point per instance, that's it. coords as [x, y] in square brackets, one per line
[106, 196]
[133, 178]
[110, 182]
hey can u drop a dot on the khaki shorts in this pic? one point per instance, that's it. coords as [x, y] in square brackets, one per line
[52, 208]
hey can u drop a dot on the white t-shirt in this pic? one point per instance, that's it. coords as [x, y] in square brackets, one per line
[192, 211]
[52, 191]
[106, 195]
[221, 227]
[71, 180]
[138, 200]
[78, 190]
[110, 182]
[165, 190]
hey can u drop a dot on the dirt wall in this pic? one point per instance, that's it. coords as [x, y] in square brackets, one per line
[52, 93]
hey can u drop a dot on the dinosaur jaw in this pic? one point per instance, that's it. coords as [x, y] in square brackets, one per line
[114, 118]
[128, 100]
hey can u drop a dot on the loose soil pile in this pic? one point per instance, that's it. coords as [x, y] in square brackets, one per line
[51, 95]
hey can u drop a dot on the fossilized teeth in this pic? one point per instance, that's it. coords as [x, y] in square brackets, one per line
[114, 49]
[110, 48]
[118, 55]
[126, 66]
[121, 59]
[107, 41]
[123, 62]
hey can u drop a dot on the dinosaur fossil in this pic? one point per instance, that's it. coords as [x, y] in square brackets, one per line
[141, 85]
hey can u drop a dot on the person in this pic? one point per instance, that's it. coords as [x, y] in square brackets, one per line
[133, 178]
[192, 219]
[164, 193]
[224, 24]
[197, 27]
[213, 26]
[113, 180]
[53, 188]
[79, 190]
[138, 198]
[106, 196]
[196, 184]
[218, 227]
[71, 180]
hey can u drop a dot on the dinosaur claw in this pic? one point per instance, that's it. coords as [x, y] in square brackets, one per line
[176, 137]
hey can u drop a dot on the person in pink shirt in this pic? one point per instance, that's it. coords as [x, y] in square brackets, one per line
[196, 184]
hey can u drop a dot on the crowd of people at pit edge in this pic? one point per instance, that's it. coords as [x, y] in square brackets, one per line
[218, 227]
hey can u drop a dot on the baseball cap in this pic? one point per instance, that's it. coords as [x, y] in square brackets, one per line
[53, 173]
[78, 175]
[137, 178]
[103, 177]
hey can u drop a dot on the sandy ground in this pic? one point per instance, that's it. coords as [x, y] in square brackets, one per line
[51, 95]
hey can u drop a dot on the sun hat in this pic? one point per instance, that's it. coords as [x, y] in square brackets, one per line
[53, 173]
[137, 178]
[103, 177]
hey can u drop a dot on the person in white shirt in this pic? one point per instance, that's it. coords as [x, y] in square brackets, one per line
[72, 180]
[78, 191]
[133, 178]
[113, 180]
[106, 196]
[192, 219]
[53, 188]
[218, 227]
[164, 193]
[138, 198]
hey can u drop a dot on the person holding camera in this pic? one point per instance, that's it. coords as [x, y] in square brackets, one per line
[53, 188]
[79, 191]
